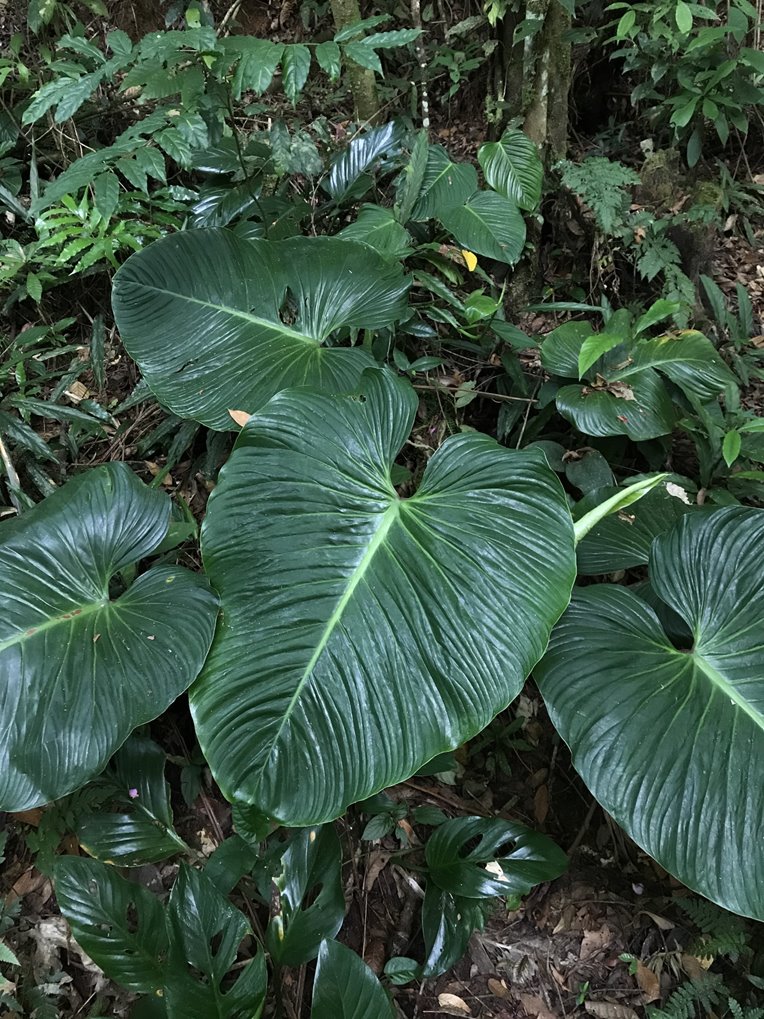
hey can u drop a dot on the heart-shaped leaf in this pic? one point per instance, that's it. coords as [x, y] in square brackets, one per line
[355, 618]
[446, 184]
[217, 322]
[670, 741]
[80, 669]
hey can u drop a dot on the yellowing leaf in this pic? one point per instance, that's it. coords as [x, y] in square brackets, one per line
[470, 260]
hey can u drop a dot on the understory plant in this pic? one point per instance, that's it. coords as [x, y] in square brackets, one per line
[360, 610]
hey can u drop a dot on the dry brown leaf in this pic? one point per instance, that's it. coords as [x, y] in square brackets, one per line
[594, 942]
[31, 817]
[541, 804]
[536, 1007]
[660, 921]
[498, 988]
[452, 1004]
[240, 417]
[649, 984]
[609, 1010]
[376, 864]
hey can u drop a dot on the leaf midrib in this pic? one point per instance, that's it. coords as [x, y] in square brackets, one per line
[727, 689]
[67, 618]
[389, 517]
[237, 313]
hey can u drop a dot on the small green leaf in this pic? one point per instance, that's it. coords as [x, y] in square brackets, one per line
[7, 956]
[682, 116]
[296, 67]
[625, 25]
[659, 311]
[625, 497]
[364, 56]
[34, 287]
[329, 59]
[144, 833]
[205, 932]
[731, 447]
[694, 147]
[312, 904]
[683, 17]
[106, 193]
[478, 871]
[593, 348]
[119, 923]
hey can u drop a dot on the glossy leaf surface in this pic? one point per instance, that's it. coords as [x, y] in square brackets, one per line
[143, 832]
[354, 618]
[217, 322]
[488, 224]
[119, 923]
[671, 742]
[446, 184]
[508, 859]
[345, 988]
[623, 540]
[80, 669]
[623, 391]
[205, 932]
[512, 167]
[312, 902]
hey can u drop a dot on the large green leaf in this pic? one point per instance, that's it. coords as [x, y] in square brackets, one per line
[345, 987]
[512, 166]
[205, 932]
[350, 178]
[392, 628]
[219, 323]
[119, 923]
[446, 184]
[379, 228]
[640, 408]
[623, 540]
[80, 669]
[623, 392]
[671, 742]
[488, 224]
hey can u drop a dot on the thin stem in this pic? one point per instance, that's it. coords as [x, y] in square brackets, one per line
[498, 397]
[14, 484]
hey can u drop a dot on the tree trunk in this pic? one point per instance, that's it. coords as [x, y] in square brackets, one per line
[546, 116]
[362, 84]
[533, 75]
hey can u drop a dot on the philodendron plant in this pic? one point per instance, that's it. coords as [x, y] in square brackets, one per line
[360, 632]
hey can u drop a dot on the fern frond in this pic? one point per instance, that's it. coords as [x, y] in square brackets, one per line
[721, 933]
[684, 1002]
